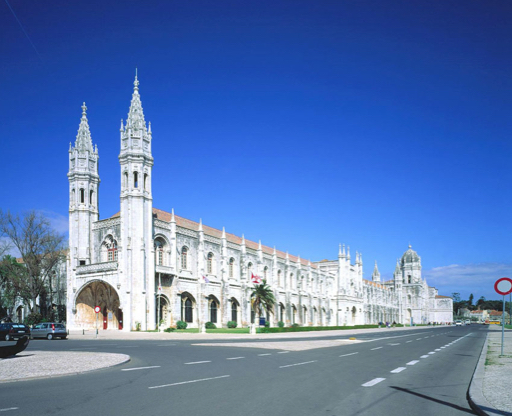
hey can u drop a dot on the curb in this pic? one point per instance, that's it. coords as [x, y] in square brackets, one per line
[476, 398]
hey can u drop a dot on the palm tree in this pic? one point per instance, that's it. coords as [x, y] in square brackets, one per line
[262, 298]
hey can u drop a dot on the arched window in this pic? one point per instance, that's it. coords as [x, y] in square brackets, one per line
[265, 273]
[213, 311]
[409, 279]
[73, 196]
[281, 312]
[82, 196]
[159, 252]
[209, 264]
[249, 268]
[234, 310]
[109, 249]
[125, 180]
[135, 180]
[184, 252]
[91, 196]
[188, 310]
[279, 282]
[291, 285]
[231, 267]
[145, 181]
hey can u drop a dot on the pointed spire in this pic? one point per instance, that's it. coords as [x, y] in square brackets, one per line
[259, 245]
[274, 253]
[344, 254]
[149, 127]
[348, 252]
[223, 233]
[83, 138]
[135, 120]
[200, 229]
[340, 254]
[172, 216]
[121, 129]
[397, 269]
[376, 274]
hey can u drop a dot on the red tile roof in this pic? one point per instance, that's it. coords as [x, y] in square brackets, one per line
[192, 225]
[442, 297]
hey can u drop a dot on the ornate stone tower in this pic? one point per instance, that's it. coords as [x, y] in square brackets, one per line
[410, 265]
[84, 182]
[137, 251]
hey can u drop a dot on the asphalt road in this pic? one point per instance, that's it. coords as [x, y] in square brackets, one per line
[418, 372]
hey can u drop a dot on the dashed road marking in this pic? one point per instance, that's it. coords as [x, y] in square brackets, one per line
[413, 362]
[9, 408]
[437, 349]
[235, 358]
[425, 356]
[140, 368]
[261, 355]
[432, 352]
[346, 355]
[198, 362]
[378, 348]
[398, 370]
[417, 339]
[187, 382]
[394, 344]
[283, 352]
[408, 341]
[293, 365]
[373, 382]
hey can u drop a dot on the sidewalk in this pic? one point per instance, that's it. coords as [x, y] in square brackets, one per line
[490, 392]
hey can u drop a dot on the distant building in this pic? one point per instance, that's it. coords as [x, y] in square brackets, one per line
[143, 265]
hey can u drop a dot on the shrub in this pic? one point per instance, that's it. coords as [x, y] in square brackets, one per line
[171, 329]
[33, 318]
[280, 324]
[232, 324]
[294, 325]
[267, 324]
[210, 325]
[137, 326]
[181, 325]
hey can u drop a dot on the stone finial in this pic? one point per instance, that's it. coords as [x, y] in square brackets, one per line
[223, 233]
[83, 138]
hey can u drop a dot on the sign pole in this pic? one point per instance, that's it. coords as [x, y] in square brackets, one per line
[503, 325]
[503, 286]
[97, 309]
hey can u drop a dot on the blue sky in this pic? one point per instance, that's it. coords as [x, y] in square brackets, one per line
[301, 123]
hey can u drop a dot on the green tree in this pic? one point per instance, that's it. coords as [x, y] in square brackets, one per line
[10, 272]
[40, 248]
[262, 298]
[470, 300]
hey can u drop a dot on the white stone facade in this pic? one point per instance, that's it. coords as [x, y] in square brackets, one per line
[145, 266]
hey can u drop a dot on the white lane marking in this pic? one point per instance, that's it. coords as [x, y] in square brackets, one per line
[373, 382]
[235, 358]
[283, 352]
[425, 337]
[261, 355]
[398, 370]
[396, 336]
[443, 347]
[417, 339]
[437, 349]
[129, 346]
[413, 362]
[425, 356]
[9, 408]
[346, 355]
[187, 382]
[409, 341]
[394, 344]
[165, 345]
[198, 362]
[293, 365]
[378, 348]
[432, 352]
[140, 368]
[83, 348]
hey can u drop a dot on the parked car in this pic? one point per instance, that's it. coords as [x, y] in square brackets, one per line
[467, 322]
[10, 331]
[458, 323]
[49, 330]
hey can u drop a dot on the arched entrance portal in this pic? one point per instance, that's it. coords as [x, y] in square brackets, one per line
[163, 314]
[103, 295]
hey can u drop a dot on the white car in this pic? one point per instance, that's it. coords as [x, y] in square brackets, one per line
[458, 323]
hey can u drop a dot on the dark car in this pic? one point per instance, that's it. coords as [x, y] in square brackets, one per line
[49, 330]
[10, 331]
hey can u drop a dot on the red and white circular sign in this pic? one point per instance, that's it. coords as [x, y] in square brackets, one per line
[503, 286]
[97, 309]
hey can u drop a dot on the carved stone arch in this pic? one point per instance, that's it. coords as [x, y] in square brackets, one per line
[109, 247]
[188, 305]
[163, 316]
[213, 309]
[97, 292]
